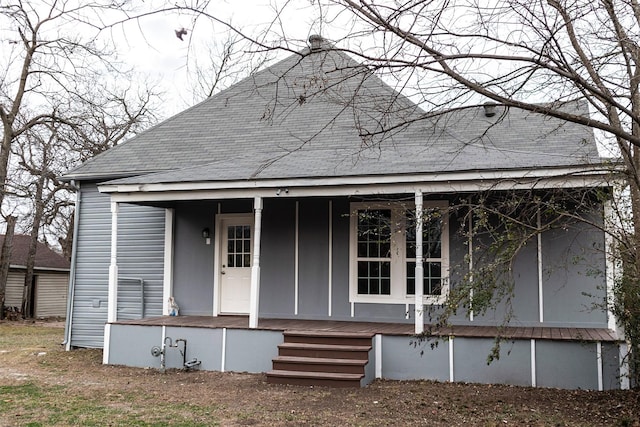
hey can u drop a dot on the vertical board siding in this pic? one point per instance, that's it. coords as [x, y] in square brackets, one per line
[193, 267]
[140, 254]
[51, 294]
[313, 258]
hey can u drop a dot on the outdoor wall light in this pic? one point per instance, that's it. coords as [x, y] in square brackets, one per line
[206, 235]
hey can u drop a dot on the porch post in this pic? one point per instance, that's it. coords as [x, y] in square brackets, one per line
[419, 274]
[112, 302]
[167, 281]
[255, 265]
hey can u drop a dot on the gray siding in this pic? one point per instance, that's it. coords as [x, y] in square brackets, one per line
[403, 359]
[277, 258]
[513, 366]
[131, 346]
[341, 309]
[140, 254]
[251, 350]
[559, 361]
[193, 258]
[313, 256]
[573, 277]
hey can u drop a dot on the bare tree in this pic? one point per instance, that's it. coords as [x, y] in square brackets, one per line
[64, 97]
[5, 261]
[535, 55]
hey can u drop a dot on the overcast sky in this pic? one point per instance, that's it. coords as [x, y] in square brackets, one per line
[151, 47]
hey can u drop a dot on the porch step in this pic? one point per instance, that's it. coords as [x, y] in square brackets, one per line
[325, 379]
[324, 350]
[316, 364]
[322, 337]
[331, 359]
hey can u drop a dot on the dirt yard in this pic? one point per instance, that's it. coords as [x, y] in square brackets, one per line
[42, 385]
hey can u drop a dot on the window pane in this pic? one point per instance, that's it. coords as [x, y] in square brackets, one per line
[247, 246]
[433, 237]
[238, 260]
[432, 283]
[373, 250]
[230, 262]
[411, 278]
[374, 277]
[374, 233]
[385, 269]
[363, 286]
[433, 278]
[230, 247]
[385, 249]
[374, 286]
[246, 232]
[363, 269]
[374, 269]
[247, 260]
[385, 287]
[431, 234]
[362, 250]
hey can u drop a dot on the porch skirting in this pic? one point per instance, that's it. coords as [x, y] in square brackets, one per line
[542, 357]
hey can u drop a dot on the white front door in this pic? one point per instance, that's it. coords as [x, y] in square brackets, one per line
[236, 235]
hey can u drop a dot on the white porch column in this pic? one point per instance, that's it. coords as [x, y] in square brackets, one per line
[419, 275]
[255, 265]
[167, 285]
[112, 302]
[112, 299]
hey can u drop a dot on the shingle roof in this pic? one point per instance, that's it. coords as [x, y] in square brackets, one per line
[45, 257]
[306, 116]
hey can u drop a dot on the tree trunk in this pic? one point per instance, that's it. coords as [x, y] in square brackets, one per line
[5, 260]
[27, 309]
[66, 242]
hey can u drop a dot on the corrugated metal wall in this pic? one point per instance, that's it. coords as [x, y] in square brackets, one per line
[13, 292]
[140, 254]
[51, 294]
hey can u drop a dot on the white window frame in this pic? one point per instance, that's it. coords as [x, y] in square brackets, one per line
[398, 254]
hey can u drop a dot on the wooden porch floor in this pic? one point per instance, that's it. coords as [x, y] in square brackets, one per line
[512, 332]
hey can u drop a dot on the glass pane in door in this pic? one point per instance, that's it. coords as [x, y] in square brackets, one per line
[239, 246]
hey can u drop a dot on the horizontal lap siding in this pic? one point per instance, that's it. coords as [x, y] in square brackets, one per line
[13, 291]
[51, 294]
[140, 254]
[141, 251]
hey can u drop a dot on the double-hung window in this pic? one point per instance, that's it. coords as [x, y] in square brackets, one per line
[383, 252]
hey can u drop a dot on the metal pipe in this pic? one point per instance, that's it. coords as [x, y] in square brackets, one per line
[184, 351]
[72, 273]
[164, 352]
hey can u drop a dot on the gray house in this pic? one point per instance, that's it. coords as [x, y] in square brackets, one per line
[274, 214]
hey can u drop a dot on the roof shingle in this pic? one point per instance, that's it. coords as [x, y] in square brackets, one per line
[320, 114]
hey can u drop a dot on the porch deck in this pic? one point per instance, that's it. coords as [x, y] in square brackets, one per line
[511, 332]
